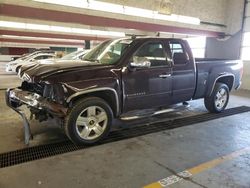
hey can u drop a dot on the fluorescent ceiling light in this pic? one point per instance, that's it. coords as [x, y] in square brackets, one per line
[41, 27]
[120, 9]
[40, 38]
[101, 6]
[35, 45]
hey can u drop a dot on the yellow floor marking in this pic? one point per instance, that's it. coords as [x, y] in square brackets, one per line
[197, 169]
[215, 162]
[154, 185]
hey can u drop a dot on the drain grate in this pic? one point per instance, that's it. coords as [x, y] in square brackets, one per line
[44, 151]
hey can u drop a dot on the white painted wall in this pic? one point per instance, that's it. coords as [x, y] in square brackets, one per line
[246, 74]
[226, 12]
[224, 49]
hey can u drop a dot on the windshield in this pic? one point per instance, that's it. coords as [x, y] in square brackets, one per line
[72, 55]
[108, 52]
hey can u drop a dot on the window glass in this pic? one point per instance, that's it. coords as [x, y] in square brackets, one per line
[72, 55]
[178, 53]
[108, 52]
[153, 52]
[38, 57]
[43, 57]
[176, 48]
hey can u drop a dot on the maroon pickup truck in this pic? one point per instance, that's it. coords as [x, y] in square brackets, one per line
[119, 76]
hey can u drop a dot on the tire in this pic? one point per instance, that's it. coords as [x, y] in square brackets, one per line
[215, 104]
[89, 121]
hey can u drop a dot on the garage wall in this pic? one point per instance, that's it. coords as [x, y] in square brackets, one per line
[223, 12]
[246, 74]
[228, 48]
[212, 10]
[231, 48]
[247, 19]
[214, 14]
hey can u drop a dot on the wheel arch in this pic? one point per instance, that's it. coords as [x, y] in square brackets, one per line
[227, 79]
[109, 95]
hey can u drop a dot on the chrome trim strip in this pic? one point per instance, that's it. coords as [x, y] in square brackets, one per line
[223, 75]
[94, 90]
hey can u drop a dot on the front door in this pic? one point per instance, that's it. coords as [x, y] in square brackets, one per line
[148, 87]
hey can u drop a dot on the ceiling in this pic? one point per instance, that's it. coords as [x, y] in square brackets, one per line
[72, 22]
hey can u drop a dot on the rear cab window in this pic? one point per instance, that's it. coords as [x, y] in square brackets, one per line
[178, 52]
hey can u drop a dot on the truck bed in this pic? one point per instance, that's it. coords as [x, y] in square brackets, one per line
[210, 69]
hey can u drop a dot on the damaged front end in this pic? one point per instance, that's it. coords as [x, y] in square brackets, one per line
[43, 100]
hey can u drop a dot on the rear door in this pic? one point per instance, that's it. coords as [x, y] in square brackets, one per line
[183, 76]
[148, 87]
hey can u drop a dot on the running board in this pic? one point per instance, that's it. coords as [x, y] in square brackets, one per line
[128, 118]
[139, 114]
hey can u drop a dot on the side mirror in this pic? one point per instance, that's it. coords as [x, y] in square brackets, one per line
[180, 58]
[140, 62]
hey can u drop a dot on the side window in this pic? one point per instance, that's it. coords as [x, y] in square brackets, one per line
[178, 53]
[47, 57]
[176, 48]
[153, 52]
[39, 57]
[42, 57]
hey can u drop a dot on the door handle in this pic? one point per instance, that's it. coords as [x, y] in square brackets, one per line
[164, 75]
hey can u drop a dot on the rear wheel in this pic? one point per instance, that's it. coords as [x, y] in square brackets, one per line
[89, 121]
[219, 98]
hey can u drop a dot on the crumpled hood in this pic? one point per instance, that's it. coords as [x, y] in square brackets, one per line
[52, 67]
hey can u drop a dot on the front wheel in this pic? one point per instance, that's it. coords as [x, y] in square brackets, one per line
[219, 98]
[89, 121]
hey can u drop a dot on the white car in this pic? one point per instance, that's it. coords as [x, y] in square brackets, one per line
[13, 66]
[76, 55]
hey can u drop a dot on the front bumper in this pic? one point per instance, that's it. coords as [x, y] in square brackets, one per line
[27, 132]
[17, 97]
[8, 68]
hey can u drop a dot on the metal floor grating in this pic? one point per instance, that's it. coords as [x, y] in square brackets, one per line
[44, 151]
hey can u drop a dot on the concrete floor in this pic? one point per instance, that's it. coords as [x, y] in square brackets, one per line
[140, 161]
[7, 79]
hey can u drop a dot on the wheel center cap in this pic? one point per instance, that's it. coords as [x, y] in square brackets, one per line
[91, 122]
